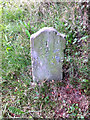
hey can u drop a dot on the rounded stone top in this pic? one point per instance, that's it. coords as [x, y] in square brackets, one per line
[46, 29]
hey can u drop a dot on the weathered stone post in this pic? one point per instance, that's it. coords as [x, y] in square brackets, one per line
[47, 55]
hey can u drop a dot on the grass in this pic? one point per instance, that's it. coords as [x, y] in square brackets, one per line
[20, 96]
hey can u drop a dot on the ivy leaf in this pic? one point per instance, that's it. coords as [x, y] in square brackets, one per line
[70, 40]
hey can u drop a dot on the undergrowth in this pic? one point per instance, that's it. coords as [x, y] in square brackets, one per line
[18, 91]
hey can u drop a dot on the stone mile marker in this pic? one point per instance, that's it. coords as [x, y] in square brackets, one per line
[47, 54]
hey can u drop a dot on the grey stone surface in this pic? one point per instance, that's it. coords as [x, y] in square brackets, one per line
[47, 55]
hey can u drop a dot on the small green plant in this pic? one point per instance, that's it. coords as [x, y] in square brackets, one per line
[28, 29]
[75, 111]
[15, 110]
